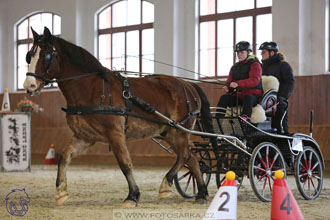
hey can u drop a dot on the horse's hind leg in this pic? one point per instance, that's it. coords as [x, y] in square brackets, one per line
[72, 150]
[179, 142]
[202, 189]
[118, 144]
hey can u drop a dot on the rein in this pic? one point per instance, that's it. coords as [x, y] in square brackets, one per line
[108, 109]
[47, 81]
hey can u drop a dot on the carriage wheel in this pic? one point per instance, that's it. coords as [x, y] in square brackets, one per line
[265, 160]
[185, 182]
[309, 173]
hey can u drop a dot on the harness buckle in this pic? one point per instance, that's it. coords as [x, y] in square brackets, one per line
[127, 94]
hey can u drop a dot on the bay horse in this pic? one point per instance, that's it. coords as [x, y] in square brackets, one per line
[84, 82]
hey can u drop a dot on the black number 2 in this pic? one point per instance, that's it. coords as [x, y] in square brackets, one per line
[221, 207]
[288, 208]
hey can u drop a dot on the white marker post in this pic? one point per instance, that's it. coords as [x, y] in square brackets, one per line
[224, 203]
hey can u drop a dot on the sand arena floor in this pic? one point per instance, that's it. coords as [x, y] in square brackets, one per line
[97, 192]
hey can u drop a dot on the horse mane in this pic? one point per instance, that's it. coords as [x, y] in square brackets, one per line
[79, 56]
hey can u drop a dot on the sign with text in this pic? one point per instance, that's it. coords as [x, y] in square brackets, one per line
[15, 147]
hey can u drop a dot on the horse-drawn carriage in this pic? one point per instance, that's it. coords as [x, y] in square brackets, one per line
[255, 150]
[105, 106]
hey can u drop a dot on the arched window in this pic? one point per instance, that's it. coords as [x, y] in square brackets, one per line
[126, 36]
[223, 23]
[25, 38]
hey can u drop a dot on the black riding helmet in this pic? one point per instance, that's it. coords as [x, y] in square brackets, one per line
[243, 45]
[269, 45]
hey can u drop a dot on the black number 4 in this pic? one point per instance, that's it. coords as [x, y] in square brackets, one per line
[288, 208]
[221, 207]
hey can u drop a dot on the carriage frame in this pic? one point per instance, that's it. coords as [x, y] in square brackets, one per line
[252, 150]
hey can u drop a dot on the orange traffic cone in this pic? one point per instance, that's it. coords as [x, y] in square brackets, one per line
[5, 102]
[284, 205]
[224, 203]
[50, 157]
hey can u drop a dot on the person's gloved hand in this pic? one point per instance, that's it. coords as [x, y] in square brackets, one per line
[233, 85]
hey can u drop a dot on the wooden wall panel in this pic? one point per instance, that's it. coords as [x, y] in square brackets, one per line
[311, 92]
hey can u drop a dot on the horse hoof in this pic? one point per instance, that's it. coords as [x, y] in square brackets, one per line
[61, 200]
[200, 201]
[129, 204]
[163, 195]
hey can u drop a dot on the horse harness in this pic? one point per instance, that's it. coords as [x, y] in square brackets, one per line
[109, 109]
[130, 100]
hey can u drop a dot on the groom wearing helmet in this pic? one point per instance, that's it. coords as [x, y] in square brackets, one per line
[274, 64]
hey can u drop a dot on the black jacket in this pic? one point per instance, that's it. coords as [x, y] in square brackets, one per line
[276, 66]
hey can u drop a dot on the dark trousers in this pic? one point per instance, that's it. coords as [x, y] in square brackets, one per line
[248, 102]
[282, 108]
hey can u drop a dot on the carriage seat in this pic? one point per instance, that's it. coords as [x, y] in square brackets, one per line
[267, 102]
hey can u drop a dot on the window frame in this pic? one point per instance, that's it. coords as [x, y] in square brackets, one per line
[123, 29]
[30, 41]
[254, 12]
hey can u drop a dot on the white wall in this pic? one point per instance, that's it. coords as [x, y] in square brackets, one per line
[3, 43]
[17, 9]
[184, 47]
[298, 28]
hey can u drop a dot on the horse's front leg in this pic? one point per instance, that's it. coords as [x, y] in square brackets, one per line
[118, 143]
[76, 147]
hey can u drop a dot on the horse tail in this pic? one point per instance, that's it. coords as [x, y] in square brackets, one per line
[206, 117]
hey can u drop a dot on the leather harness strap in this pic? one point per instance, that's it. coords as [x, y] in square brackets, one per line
[107, 110]
[126, 95]
[129, 101]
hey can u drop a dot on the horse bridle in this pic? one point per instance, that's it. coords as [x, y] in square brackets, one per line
[50, 53]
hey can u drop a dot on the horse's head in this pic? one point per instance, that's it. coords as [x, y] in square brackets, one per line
[43, 62]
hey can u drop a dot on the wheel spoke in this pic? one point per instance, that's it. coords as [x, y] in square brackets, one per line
[315, 166]
[310, 160]
[187, 184]
[305, 160]
[194, 185]
[313, 185]
[261, 160]
[263, 176]
[267, 156]
[259, 168]
[270, 186]
[263, 190]
[304, 174]
[274, 159]
[302, 166]
[260, 178]
[304, 183]
[184, 175]
[317, 177]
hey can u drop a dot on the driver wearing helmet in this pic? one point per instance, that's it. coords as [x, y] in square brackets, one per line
[245, 74]
[274, 64]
